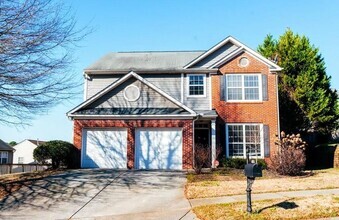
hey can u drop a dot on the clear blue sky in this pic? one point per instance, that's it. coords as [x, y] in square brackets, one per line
[127, 25]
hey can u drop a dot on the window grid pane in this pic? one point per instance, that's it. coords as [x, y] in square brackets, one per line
[242, 87]
[251, 85]
[196, 85]
[251, 94]
[234, 87]
[252, 137]
[237, 139]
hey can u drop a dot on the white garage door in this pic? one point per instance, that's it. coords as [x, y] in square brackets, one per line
[104, 148]
[159, 148]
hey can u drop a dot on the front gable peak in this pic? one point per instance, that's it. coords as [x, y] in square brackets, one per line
[130, 95]
[224, 51]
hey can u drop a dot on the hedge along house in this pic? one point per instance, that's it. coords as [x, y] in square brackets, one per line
[147, 110]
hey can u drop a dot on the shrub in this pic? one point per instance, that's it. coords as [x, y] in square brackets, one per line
[290, 158]
[239, 163]
[60, 153]
[202, 157]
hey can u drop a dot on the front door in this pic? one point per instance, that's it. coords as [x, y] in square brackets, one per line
[202, 140]
[201, 137]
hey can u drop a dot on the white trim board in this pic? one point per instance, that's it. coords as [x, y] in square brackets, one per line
[242, 46]
[244, 143]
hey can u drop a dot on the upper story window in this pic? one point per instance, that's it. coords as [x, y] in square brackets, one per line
[3, 157]
[245, 87]
[196, 85]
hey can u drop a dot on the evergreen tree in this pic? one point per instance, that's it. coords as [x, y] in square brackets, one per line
[306, 100]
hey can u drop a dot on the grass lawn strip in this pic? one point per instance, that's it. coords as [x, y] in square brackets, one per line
[294, 208]
[215, 185]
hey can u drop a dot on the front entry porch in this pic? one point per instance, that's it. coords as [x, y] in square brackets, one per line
[205, 136]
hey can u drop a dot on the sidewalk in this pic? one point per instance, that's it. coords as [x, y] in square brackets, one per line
[262, 196]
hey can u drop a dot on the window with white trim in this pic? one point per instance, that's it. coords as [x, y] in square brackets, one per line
[243, 87]
[242, 136]
[196, 85]
[3, 157]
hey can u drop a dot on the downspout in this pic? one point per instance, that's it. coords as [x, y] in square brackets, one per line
[277, 94]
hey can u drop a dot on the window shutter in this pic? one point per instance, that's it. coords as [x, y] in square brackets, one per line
[222, 87]
[266, 131]
[264, 87]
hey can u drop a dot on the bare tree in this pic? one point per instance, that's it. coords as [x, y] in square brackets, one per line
[36, 42]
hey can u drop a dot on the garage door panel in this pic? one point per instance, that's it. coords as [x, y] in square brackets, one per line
[159, 149]
[105, 149]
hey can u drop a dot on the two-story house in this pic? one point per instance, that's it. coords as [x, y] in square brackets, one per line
[147, 110]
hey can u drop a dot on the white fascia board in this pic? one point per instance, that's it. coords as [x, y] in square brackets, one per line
[228, 57]
[239, 44]
[155, 71]
[256, 54]
[208, 52]
[186, 116]
[163, 93]
[99, 94]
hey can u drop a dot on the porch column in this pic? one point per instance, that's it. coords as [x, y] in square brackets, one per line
[213, 143]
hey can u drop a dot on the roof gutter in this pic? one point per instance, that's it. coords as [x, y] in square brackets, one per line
[192, 70]
[132, 117]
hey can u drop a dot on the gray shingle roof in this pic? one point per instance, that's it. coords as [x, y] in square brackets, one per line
[5, 147]
[165, 60]
[35, 142]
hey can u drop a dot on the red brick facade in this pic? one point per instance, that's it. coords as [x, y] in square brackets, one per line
[131, 125]
[264, 112]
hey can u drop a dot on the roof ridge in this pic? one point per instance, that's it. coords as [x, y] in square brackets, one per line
[160, 51]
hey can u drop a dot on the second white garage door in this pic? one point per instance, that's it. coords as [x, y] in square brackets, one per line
[159, 148]
[104, 148]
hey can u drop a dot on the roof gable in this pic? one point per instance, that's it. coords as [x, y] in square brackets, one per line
[5, 147]
[221, 54]
[112, 100]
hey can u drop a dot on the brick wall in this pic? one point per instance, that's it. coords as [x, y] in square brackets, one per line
[264, 112]
[186, 126]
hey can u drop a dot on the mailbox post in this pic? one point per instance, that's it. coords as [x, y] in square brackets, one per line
[252, 170]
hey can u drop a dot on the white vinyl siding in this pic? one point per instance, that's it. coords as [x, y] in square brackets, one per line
[242, 136]
[196, 85]
[244, 87]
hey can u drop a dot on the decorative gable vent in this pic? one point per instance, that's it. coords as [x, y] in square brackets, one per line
[131, 93]
[243, 62]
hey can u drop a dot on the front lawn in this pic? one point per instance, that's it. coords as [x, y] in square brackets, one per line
[10, 183]
[296, 208]
[233, 182]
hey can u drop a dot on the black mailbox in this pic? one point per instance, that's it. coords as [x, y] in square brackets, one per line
[253, 170]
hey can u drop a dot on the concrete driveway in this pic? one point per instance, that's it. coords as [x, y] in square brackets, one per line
[101, 194]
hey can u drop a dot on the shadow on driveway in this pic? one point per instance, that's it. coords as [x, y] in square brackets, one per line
[95, 193]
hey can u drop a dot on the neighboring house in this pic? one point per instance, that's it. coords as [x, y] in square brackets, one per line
[147, 110]
[24, 151]
[6, 153]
